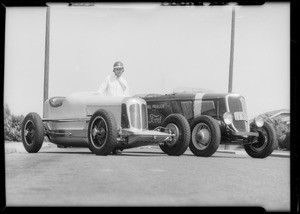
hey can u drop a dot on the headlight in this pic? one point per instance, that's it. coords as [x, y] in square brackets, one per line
[259, 121]
[227, 117]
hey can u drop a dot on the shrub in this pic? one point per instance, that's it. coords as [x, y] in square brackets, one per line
[12, 125]
[285, 143]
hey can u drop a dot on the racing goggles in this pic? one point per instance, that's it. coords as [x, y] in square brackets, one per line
[119, 68]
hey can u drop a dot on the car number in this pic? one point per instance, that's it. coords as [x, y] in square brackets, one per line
[240, 115]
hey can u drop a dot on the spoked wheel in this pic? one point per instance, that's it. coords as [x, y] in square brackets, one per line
[206, 136]
[32, 132]
[178, 125]
[265, 144]
[102, 132]
[99, 132]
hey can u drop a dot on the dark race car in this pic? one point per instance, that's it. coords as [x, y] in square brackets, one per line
[214, 118]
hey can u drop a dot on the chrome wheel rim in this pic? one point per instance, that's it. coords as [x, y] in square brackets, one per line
[29, 132]
[262, 141]
[171, 128]
[98, 132]
[201, 136]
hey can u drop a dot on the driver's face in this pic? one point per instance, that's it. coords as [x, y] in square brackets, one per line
[119, 71]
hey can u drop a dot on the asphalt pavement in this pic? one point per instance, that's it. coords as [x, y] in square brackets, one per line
[145, 176]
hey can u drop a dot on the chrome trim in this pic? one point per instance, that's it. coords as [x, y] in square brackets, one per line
[65, 119]
[135, 135]
[69, 134]
[136, 100]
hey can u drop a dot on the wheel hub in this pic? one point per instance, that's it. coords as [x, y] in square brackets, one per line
[29, 132]
[172, 129]
[98, 132]
[262, 141]
[201, 136]
[101, 132]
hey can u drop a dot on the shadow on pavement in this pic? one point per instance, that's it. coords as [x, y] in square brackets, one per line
[63, 152]
[126, 153]
[219, 156]
[148, 153]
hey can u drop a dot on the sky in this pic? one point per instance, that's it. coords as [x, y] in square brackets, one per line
[162, 48]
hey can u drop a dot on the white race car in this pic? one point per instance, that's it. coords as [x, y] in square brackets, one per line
[102, 124]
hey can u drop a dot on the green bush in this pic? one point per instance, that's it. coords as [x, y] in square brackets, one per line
[12, 125]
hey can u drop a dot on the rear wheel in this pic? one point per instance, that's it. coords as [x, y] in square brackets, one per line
[32, 132]
[102, 132]
[205, 137]
[178, 125]
[266, 141]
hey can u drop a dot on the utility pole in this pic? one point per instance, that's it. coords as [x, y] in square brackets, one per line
[231, 51]
[47, 47]
[231, 57]
[46, 65]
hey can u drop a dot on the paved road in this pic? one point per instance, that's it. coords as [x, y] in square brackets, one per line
[145, 177]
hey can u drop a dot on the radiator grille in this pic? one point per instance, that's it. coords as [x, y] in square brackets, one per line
[135, 116]
[124, 117]
[144, 117]
[237, 104]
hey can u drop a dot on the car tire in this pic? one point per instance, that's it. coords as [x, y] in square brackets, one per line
[32, 132]
[266, 142]
[178, 124]
[102, 132]
[205, 136]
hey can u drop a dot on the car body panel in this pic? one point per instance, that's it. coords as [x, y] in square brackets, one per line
[193, 105]
[66, 120]
[82, 105]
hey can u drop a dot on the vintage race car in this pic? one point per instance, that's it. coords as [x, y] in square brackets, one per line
[214, 118]
[102, 124]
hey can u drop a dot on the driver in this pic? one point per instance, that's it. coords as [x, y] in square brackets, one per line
[115, 84]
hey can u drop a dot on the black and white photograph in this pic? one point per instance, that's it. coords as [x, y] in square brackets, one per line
[148, 104]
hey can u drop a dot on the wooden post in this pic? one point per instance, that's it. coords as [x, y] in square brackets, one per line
[46, 65]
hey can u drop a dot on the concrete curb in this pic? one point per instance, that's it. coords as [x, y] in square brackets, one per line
[284, 154]
[235, 149]
[10, 150]
[281, 155]
[17, 147]
[238, 151]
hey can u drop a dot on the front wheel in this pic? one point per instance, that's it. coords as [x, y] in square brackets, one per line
[266, 141]
[178, 125]
[102, 132]
[206, 136]
[32, 132]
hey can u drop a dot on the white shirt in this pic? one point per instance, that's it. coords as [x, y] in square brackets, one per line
[111, 86]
